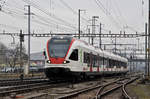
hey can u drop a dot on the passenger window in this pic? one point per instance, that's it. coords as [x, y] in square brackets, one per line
[74, 55]
[86, 57]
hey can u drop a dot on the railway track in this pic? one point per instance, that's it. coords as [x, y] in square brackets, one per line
[124, 92]
[101, 94]
[13, 82]
[99, 90]
[28, 87]
[44, 87]
[85, 90]
[25, 88]
[18, 79]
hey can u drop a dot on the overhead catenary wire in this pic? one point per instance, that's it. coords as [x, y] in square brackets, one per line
[112, 19]
[69, 7]
[107, 13]
[46, 20]
[49, 14]
[72, 10]
[118, 14]
[16, 15]
[119, 11]
[19, 13]
[58, 23]
[10, 27]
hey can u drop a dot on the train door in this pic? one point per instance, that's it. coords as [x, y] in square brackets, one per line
[98, 60]
[100, 63]
[74, 58]
[86, 61]
[105, 64]
[91, 62]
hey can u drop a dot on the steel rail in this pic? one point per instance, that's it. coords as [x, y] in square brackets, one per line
[115, 88]
[124, 92]
[99, 92]
[21, 82]
[27, 88]
[77, 92]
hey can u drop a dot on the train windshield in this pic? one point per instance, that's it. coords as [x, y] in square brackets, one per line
[58, 47]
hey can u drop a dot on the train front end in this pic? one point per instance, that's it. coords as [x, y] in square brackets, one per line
[56, 65]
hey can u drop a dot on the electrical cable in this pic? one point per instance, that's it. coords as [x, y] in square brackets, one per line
[49, 14]
[72, 10]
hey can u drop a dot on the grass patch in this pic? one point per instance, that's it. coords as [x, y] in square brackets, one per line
[142, 91]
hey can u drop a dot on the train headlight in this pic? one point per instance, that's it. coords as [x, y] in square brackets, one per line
[48, 61]
[66, 62]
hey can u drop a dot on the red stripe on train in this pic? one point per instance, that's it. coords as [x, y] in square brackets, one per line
[97, 69]
[91, 69]
[57, 60]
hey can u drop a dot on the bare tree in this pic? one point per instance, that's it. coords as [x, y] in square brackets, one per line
[3, 50]
[13, 56]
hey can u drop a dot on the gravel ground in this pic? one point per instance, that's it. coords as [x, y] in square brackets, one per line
[115, 95]
[16, 75]
[139, 91]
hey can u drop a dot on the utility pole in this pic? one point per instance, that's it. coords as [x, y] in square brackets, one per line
[115, 44]
[26, 69]
[21, 40]
[146, 49]
[89, 34]
[100, 32]
[0, 7]
[130, 63]
[148, 39]
[79, 22]
[29, 12]
[93, 27]
[138, 44]
[136, 61]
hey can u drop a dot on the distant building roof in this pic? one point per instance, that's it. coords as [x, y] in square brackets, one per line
[37, 56]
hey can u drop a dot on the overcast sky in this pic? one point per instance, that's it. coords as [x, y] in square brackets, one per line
[62, 16]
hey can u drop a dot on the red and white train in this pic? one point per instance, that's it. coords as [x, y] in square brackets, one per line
[68, 57]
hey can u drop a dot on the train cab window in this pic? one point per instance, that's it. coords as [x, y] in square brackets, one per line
[74, 55]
